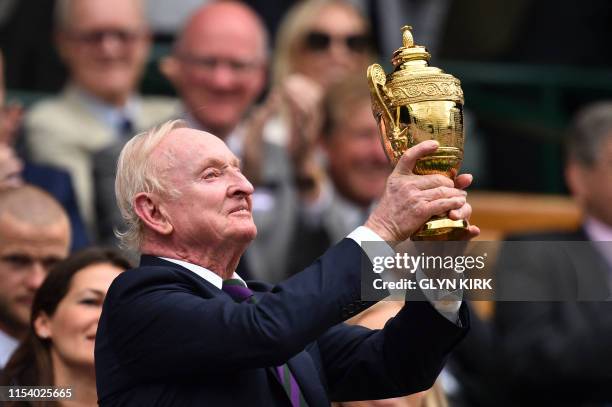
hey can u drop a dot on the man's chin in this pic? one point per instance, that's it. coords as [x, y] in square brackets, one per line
[18, 319]
[216, 120]
[244, 235]
[110, 85]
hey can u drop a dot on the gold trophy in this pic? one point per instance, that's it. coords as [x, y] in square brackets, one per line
[418, 102]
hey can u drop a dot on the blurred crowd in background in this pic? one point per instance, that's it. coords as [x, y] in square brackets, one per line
[283, 84]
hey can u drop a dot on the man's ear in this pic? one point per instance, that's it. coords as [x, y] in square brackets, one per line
[149, 212]
[61, 40]
[42, 326]
[169, 67]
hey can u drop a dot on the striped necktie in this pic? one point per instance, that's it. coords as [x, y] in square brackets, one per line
[238, 290]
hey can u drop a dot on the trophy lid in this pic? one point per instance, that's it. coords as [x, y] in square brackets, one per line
[409, 51]
[412, 80]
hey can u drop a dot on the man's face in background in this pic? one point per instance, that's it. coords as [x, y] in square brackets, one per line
[105, 44]
[357, 163]
[26, 254]
[219, 66]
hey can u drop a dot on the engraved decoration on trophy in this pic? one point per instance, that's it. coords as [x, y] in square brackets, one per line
[418, 102]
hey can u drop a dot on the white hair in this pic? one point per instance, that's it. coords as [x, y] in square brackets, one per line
[62, 13]
[137, 173]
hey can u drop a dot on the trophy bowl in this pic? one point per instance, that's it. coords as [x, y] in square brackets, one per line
[417, 102]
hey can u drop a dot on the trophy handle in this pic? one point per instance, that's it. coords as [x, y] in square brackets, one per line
[377, 80]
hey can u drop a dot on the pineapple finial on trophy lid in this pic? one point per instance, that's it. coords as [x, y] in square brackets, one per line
[409, 51]
[407, 38]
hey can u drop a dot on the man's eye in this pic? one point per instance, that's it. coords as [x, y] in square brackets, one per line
[18, 260]
[211, 174]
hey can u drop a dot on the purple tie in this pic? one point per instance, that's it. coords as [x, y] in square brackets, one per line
[238, 290]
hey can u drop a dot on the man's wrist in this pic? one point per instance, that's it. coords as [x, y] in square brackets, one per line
[379, 229]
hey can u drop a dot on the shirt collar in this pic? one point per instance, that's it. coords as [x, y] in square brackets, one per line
[8, 344]
[111, 116]
[597, 231]
[203, 272]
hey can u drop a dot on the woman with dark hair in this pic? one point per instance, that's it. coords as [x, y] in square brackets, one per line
[59, 348]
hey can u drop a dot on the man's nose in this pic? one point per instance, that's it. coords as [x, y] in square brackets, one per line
[110, 45]
[240, 185]
[36, 275]
[223, 76]
[376, 149]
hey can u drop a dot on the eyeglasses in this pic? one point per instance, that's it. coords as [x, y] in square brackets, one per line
[209, 64]
[320, 41]
[97, 37]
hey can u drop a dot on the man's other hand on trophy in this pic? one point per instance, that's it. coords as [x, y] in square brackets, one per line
[410, 200]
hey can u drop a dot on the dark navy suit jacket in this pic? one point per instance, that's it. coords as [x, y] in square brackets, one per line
[167, 337]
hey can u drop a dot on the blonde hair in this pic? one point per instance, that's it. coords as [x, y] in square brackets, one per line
[137, 173]
[294, 27]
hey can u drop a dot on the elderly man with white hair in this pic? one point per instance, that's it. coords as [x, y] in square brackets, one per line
[184, 329]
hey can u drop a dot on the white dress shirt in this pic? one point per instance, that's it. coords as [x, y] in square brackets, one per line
[203, 272]
[8, 344]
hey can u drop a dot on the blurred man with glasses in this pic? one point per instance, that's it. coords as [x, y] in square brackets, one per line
[105, 45]
[34, 235]
[218, 66]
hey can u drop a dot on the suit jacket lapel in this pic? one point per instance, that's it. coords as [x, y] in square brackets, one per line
[303, 369]
[592, 275]
[592, 271]
[307, 376]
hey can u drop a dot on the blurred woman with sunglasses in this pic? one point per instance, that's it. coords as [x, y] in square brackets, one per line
[319, 42]
[322, 40]
[59, 348]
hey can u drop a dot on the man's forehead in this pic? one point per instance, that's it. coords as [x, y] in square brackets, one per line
[227, 28]
[189, 146]
[16, 235]
[191, 138]
[101, 12]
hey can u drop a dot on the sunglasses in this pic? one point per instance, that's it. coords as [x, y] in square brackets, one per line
[320, 41]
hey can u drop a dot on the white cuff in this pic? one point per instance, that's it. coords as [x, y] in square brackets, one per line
[445, 302]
